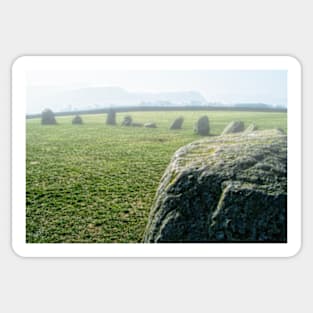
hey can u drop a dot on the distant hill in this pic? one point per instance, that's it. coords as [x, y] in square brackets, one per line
[253, 105]
[95, 98]
[39, 98]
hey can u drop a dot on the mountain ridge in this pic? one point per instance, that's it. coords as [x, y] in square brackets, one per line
[103, 97]
[39, 98]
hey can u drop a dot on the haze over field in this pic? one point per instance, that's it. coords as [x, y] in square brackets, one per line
[85, 90]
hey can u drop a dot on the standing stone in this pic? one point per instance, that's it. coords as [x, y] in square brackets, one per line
[127, 121]
[226, 189]
[202, 126]
[111, 117]
[177, 124]
[251, 128]
[77, 120]
[47, 117]
[233, 127]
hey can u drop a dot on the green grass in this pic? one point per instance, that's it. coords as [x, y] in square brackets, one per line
[96, 183]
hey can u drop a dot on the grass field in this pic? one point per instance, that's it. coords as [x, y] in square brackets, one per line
[96, 183]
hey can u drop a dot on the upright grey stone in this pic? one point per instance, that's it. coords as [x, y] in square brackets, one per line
[111, 117]
[202, 127]
[178, 123]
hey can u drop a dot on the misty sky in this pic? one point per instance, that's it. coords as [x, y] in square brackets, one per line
[224, 86]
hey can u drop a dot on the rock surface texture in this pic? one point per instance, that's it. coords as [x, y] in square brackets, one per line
[231, 188]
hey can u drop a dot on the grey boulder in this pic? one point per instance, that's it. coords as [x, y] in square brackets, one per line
[227, 189]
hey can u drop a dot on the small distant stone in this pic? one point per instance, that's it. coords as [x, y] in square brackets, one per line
[234, 127]
[127, 121]
[111, 117]
[177, 124]
[150, 125]
[202, 126]
[77, 120]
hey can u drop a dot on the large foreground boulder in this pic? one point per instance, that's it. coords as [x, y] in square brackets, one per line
[228, 189]
[202, 127]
